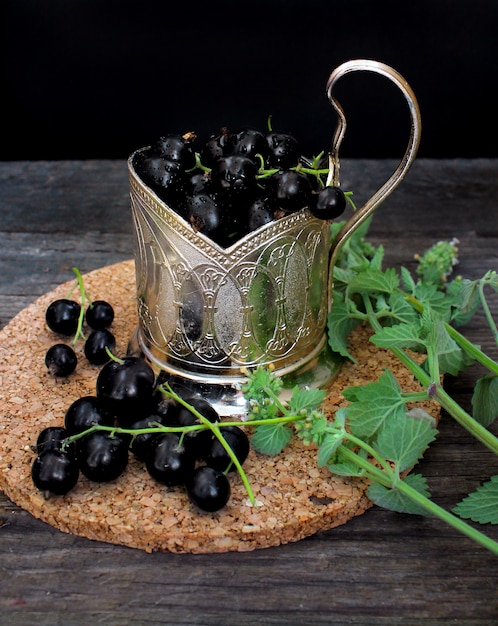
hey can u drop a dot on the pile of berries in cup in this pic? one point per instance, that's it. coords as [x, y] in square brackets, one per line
[236, 182]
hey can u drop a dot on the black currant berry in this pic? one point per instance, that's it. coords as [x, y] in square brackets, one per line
[126, 388]
[215, 148]
[216, 455]
[197, 440]
[167, 178]
[260, 212]
[102, 456]
[284, 150]
[234, 178]
[328, 203]
[168, 460]
[249, 142]
[60, 360]
[99, 314]
[85, 412]
[52, 438]
[291, 190]
[96, 345]
[204, 214]
[55, 472]
[208, 488]
[175, 148]
[62, 316]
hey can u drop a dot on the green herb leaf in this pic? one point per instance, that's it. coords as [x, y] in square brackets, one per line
[485, 400]
[306, 399]
[394, 500]
[481, 506]
[399, 336]
[340, 325]
[373, 404]
[374, 280]
[271, 438]
[329, 445]
[404, 440]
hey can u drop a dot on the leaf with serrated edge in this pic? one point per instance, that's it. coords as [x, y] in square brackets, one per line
[374, 280]
[399, 336]
[485, 400]
[374, 403]
[340, 325]
[481, 506]
[395, 500]
[404, 440]
[307, 399]
[270, 438]
[329, 445]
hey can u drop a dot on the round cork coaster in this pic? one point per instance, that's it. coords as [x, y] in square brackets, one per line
[295, 498]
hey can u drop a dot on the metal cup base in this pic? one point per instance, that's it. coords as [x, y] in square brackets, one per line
[225, 393]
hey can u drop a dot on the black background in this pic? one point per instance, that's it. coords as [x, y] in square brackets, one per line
[100, 78]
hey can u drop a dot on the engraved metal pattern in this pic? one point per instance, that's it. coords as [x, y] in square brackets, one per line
[211, 309]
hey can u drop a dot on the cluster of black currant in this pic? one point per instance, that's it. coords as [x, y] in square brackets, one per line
[65, 317]
[180, 441]
[130, 412]
[235, 182]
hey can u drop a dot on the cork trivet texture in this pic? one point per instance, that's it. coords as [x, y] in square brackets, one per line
[295, 498]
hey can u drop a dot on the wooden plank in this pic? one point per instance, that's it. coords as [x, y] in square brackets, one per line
[380, 568]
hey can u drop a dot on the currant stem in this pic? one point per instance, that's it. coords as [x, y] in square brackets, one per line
[431, 507]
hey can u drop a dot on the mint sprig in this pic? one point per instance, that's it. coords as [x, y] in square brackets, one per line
[377, 436]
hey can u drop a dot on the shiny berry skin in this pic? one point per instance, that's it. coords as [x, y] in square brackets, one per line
[167, 178]
[284, 150]
[62, 316]
[234, 178]
[249, 142]
[217, 457]
[175, 148]
[140, 443]
[126, 388]
[197, 440]
[328, 203]
[168, 461]
[85, 412]
[52, 438]
[208, 488]
[204, 214]
[55, 472]
[60, 360]
[101, 456]
[260, 212]
[96, 344]
[99, 314]
[215, 148]
[291, 190]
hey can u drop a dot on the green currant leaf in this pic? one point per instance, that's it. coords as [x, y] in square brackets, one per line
[401, 310]
[452, 359]
[399, 336]
[485, 400]
[481, 506]
[404, 440]
[373, 404]
[271, 438]
[394, 500]
[432, 298]
[340, 325]
[374, 280]
[465, 295]
[407, 280]
[329, 445]
[306, 399]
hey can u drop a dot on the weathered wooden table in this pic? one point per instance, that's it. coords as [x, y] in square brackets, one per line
[379, 568]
